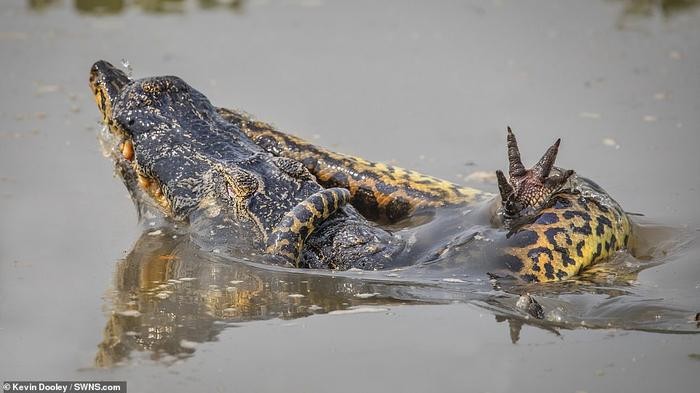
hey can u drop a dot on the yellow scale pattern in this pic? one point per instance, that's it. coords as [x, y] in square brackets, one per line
[378, 190]
[566, 240]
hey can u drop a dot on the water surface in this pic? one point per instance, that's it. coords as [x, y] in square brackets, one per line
[83, 294]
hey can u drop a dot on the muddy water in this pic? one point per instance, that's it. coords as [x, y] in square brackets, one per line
[84, 295]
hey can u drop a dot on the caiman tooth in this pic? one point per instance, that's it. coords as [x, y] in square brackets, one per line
[128, 150]
[144, 182]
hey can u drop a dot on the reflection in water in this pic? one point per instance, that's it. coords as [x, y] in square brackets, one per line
[636, 10]
[100, 6]
[633, 9]
[648, 8]
[105, 7]
[40, 5]
[169, 295]
[515, 326]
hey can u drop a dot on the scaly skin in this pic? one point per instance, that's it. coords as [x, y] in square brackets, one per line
[379, 191]
[174, 150]
[571, 234]
[579, 225]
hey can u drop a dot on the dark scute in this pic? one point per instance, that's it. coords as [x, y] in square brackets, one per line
[311, 164]
[366, 203]
[397, 209]
[535, 253]
[291, 167]
[579, 248]
[339, 179]
[268, 144]
[318, 203]
[304, 232]
[524, 238]
[597, 253]
[569, 214]
[561, 204]
[551, 233]
[547, 218]
[512, 262]
[304, 215]
[530, 278]
[585, 229]
[602, 207]
[383, 187]
[549, 271]
[602, 223]
[245, 182]
[565, 258]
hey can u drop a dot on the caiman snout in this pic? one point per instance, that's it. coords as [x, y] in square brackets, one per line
[106, 81]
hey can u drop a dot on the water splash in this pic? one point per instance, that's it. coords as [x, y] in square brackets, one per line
[127, 66]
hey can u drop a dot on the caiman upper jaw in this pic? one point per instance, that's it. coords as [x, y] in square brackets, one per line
[529, 189]
[106, 81]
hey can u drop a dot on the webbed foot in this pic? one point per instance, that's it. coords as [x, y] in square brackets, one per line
[527, 190]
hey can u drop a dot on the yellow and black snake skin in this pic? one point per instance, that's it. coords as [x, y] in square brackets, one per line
[574, 230]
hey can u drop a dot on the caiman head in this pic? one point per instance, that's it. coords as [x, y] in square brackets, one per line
[174, 152]
[172, 148]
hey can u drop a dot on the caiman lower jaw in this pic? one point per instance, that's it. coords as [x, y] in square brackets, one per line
[144, 190]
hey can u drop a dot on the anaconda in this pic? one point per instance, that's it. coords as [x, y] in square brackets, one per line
[298, 203]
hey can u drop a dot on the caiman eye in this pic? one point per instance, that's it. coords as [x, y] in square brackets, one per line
[241, 184]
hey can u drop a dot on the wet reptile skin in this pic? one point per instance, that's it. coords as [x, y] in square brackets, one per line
[191, 160]
[579, 225]
[379, 191]
[175, 150]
